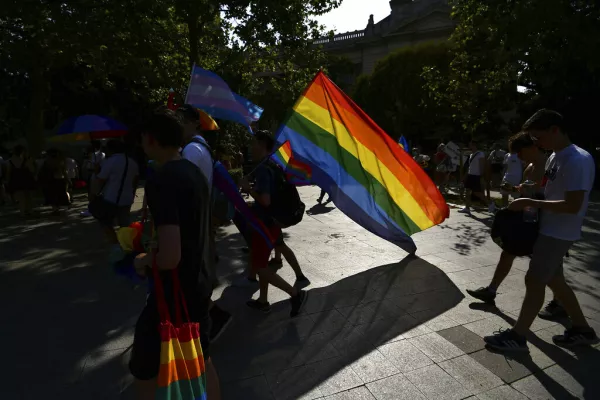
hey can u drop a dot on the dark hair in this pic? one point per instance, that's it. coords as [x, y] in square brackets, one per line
[189, 113]
[18, 150]
[115, 146]
[265, 138]
[165, 127]
[519, 141]
[543, 120]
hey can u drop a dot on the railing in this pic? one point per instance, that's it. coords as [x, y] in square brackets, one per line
[341, 37]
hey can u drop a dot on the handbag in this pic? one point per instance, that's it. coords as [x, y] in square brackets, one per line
[103, 210]
[181, 374]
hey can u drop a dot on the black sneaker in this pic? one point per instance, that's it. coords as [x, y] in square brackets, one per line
[484, 294]
[301, 282]
[576, 337]
[260, 306]
[553, 312]
[220, 320]
[298, 302]
[507, 340]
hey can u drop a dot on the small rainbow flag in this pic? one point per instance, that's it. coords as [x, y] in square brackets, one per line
[298, 172]
[365, 172]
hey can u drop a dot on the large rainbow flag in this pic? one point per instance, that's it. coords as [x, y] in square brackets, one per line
[366, 174]
[297, 172]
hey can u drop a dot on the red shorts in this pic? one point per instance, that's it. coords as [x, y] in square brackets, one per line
[260, 251]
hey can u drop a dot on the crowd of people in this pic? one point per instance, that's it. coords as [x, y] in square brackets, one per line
[180, 198]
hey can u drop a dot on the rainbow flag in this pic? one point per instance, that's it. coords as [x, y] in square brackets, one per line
[366, 174]
[298, 172]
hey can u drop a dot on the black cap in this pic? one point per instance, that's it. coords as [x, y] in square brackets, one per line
[543, 120]
[189, 112]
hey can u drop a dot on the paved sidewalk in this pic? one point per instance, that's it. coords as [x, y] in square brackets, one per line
[378, 325]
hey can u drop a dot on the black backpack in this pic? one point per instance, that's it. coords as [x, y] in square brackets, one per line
[287, 209]
[512, 234]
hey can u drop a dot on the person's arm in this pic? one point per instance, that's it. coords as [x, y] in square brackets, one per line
[100, 179]
[165, 216]
[262, 188]
[577, 178]
[169, 247]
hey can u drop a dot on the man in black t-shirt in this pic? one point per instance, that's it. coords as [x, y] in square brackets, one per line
[178, 198]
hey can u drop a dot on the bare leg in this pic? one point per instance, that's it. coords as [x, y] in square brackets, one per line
[213, 387]
[565, 295]
[532, 304]
[278, 254]
[482, 197]
[266, 276]
[502, 270]
[290, 257]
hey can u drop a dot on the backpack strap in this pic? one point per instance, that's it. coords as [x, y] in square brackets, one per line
[203, 144]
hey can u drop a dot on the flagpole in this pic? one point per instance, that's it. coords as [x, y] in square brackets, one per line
[187, 92]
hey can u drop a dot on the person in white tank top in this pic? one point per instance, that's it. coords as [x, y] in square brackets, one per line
[513, 174]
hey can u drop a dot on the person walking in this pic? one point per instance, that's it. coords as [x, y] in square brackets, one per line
[20, 178]
[527, 151]
[54, 182]
[263, 192]
[477, 168]
[113, 190]
[178, 196]
[196, 150]
[570, 172]
[513, 173]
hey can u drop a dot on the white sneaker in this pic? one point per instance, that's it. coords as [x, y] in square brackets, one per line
[243, 281]
[85, 213]
[492, 207]
[465, 210]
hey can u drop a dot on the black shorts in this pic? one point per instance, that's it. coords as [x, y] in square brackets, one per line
[145, 353]
[473, 183]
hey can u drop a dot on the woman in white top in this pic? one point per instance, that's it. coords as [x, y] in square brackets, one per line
[513, 174]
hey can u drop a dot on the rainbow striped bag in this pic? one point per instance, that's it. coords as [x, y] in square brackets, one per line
[182, 371]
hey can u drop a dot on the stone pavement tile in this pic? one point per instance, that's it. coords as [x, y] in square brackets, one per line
[451, 266]
[487, 326]
[384, 331]
[255, 388]
[359, 393]
[472, 375]
[295, 383]
[466, 276]
[107, 372]
[463, 314]
[328, 320]
[507, 368]
[395, 387]
[569, 382]
[336, 376]
[434, 321]
[235, 365]
[373, 366]
[463, 338]
[438, 300]
[405, 356]
[541, 387]
[436, 384]
[436, 347]
[318, 303]
[278, 358]
[510, 301]
[504, 392]
[538, 323]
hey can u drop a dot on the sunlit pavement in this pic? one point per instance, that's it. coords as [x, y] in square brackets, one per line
[377, 325]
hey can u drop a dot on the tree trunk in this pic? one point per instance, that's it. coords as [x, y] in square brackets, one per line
[39, 95]
[193, 38]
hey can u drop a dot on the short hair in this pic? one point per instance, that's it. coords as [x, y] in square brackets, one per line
[520, 141]
[19, 150]
[164, 126]
[189, 113]
[543, 120]
[265, 138]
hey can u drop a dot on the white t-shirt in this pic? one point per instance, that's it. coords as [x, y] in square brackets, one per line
[514, 169]
[71, 168]
[98, 158]
[200, 156]
[475, 163]
[112, 173]
[571, 169]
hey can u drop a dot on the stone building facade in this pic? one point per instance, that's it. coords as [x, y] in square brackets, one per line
[410, 22]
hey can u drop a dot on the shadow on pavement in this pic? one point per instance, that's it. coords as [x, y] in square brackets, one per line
[319, 209]
[341, 323]
[579, 363]
[67, 319]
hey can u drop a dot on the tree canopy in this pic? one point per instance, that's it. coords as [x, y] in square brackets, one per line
[60, 59]
[394, 95]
